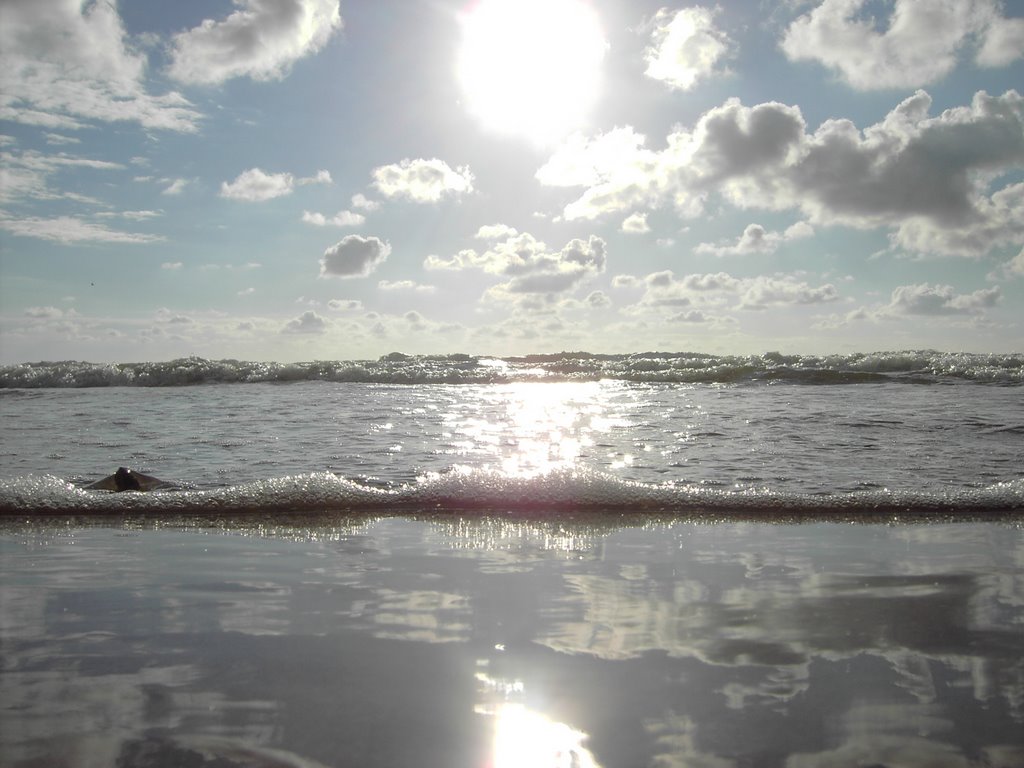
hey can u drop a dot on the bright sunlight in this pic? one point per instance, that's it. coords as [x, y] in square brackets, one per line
[531, 68]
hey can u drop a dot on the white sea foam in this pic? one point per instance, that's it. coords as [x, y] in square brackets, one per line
[489, 492]
[684, 367]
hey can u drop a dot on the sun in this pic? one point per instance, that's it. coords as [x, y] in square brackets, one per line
[531, 68]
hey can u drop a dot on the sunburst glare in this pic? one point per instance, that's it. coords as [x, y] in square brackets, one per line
[531, 68]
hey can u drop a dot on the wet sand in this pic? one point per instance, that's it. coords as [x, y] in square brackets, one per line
[451, 641]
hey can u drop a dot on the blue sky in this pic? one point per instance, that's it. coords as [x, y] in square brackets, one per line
[302, 179]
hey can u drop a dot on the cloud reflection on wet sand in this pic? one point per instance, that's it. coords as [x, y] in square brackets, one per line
[388, 640]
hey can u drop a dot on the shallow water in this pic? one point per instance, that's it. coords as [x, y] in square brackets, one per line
[784, 438]
[623, 615]
[499, 641]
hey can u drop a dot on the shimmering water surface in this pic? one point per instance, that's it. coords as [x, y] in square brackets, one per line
[786, 438]
[479, 614]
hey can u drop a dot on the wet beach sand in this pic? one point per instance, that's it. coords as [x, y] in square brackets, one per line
[511, 640]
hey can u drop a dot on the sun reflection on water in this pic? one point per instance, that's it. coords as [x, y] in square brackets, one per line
[533, 428]
[525, 738]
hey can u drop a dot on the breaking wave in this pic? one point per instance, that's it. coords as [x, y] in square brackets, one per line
[919, 367]
[489, 492]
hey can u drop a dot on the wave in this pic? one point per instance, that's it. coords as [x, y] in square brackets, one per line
[466, 491]
[915, 367]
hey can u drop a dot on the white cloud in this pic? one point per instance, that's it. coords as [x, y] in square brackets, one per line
[616, 155]
[404, 285]
[636, 224]
[1003, 43]
[768, 291]
[529, 266]
[71, 229]
[363, 203]
[997, 220]
[340, 219]
[132, 215]
[345, 305]
[56, 138]
[685, 46]
[256, 185]
[171, 265]
[931, 300]
[64, 65]
[495, 232]
[919, 44]
[756, 239]
[27, 174]
[422, 181]
[1014, 267]
[925, 177]
[308, 322]
[260, 40]
[44, 313]
[354, 256]
[176, 187]
[665, 291]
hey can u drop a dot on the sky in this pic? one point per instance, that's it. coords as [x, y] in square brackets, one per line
[312, 179]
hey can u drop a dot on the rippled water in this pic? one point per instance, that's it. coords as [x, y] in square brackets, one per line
[785, 438]
[250, 618]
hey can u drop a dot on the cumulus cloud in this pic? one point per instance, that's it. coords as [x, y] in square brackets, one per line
[345, 305]
[685, 46]
[917, 45]
[176, 187]
[422, 181]
[532, 267]
[666, 291]
[636, 224]
[495, 232]
[925, 177]
[340, 219]
[363, 203]
[932, 300]
[256, 185]
[354, 256]
[404, 285]
[260, 40]
[1003, 43]
[757, 240]
[617, 157]
[308, 322]
[66, 65]
[1014, 267]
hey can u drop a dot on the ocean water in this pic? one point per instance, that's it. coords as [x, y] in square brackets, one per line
[565, 560]
[907, 430]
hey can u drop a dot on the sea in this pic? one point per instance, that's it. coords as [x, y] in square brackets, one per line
[565, 559]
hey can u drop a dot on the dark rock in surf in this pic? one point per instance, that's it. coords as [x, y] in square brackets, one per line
[127, 480]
